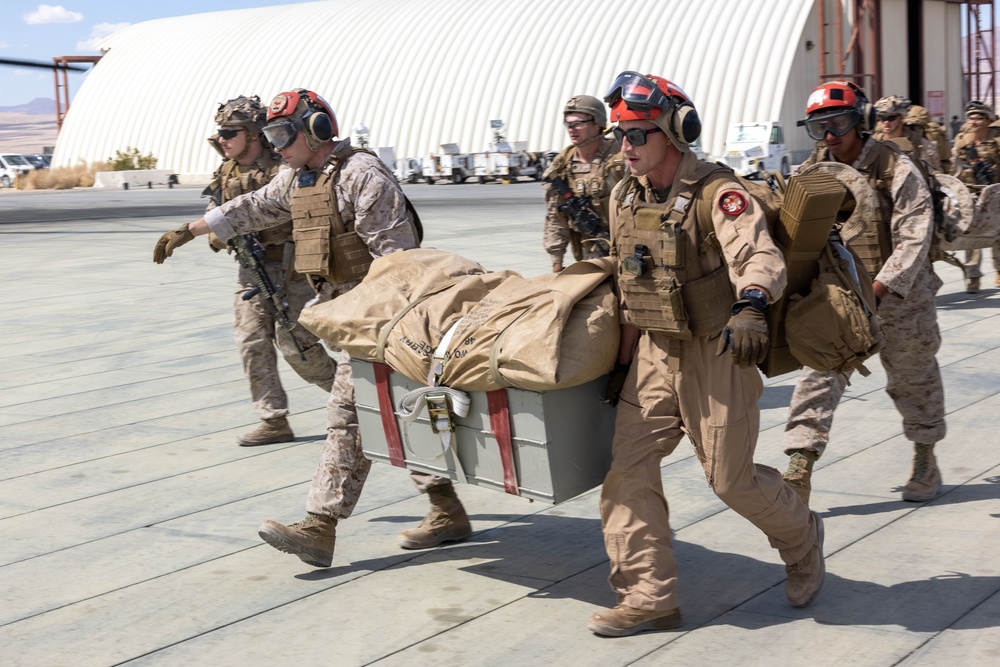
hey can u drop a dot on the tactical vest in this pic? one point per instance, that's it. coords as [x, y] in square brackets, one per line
[324, 245]
[874, 245]
[232, 180]
[673, 296]
[595, 179]
[988, 149]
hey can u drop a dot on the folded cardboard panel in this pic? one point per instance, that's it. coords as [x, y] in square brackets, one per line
[560, 440]
[808, 213]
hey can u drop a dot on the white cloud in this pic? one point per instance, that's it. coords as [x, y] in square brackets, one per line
[97, 33]
[52, 14]
[4, 45]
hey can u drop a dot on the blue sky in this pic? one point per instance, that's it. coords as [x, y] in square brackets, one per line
[39, 31]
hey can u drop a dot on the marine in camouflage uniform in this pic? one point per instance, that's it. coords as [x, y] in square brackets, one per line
[687, 357]
[978, 145]
[346, 208]
[891, 113]
[591, 166]
[919, 119]
[895, 250]
[251, 164]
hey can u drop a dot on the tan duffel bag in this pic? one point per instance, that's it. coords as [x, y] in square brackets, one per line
[550, 332]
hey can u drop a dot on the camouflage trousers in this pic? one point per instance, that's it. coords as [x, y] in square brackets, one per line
[973, 259]
[913, 379]
[258, 335]
[343, 468]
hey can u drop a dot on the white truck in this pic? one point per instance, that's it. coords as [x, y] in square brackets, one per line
[753, 149]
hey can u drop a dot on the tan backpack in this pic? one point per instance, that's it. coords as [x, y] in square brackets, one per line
[834, 326]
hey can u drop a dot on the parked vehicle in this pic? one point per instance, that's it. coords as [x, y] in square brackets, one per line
[505, 161]
[451, 164]
[11, 165]
[407, 170]
[753, 149]
[38, 160]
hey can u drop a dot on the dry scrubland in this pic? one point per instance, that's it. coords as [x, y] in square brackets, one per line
[28, 133]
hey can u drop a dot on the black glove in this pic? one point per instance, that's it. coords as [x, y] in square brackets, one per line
[615, 383]
[746, 332]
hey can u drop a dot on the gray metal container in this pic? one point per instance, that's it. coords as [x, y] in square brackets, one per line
[561, 439]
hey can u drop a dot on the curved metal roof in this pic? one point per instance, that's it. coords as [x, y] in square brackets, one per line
[420, 73]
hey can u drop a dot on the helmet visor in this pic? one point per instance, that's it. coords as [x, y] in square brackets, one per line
[838, 124]
[282, 133]
[637, 91]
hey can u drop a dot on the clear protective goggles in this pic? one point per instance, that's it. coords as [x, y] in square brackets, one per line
[638, 91]
[282, 133]
[837, 123]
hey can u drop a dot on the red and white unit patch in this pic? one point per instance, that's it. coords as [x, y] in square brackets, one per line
[733, 202]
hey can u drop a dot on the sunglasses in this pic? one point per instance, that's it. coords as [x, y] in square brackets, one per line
[230, 134]
[837, 124]
[282, 133]
[891, 118]
[635, 136]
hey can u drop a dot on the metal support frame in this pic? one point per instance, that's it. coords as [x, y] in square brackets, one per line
[59, 71]
[858, 60]
[980, 41]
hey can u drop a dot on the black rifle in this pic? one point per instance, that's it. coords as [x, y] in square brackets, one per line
[251, 256]
[580, 210]
[981, 169]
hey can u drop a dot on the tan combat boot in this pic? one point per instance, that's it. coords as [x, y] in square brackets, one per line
[925, 481]
[269, 432]
[804, 579]
[624, 620]
[799, 473]
[996, 279]
[311, 539]
[446, 522]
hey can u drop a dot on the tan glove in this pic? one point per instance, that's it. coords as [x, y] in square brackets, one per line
[215, 243]
[745, 334]
[170, 241]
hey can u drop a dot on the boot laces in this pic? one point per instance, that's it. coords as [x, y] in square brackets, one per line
[921, 461]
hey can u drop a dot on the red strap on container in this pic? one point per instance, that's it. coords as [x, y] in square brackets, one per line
[500, 425]
[387, 411]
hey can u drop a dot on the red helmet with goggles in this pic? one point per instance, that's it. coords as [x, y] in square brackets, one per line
[296, 110]
[837, 107]
[635, 96]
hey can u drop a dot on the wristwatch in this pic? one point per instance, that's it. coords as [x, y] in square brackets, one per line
[757, 299]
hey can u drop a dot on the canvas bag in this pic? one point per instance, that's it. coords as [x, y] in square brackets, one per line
[834, 327]
[554, 331]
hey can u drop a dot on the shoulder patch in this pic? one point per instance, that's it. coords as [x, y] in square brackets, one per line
[733, 202]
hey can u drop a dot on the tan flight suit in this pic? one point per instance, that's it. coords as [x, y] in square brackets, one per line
[896, 252]
[678, 385]
[594, 180]
[354, 192]
[256, 330]
[988, 150]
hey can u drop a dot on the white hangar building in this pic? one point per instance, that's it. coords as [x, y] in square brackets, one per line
[420, 73]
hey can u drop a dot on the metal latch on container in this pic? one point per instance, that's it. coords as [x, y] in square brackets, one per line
[440, 413]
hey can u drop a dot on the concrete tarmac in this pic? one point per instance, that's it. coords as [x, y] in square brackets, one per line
[128, 515]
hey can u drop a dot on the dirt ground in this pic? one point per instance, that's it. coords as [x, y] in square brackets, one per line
[26, 133]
